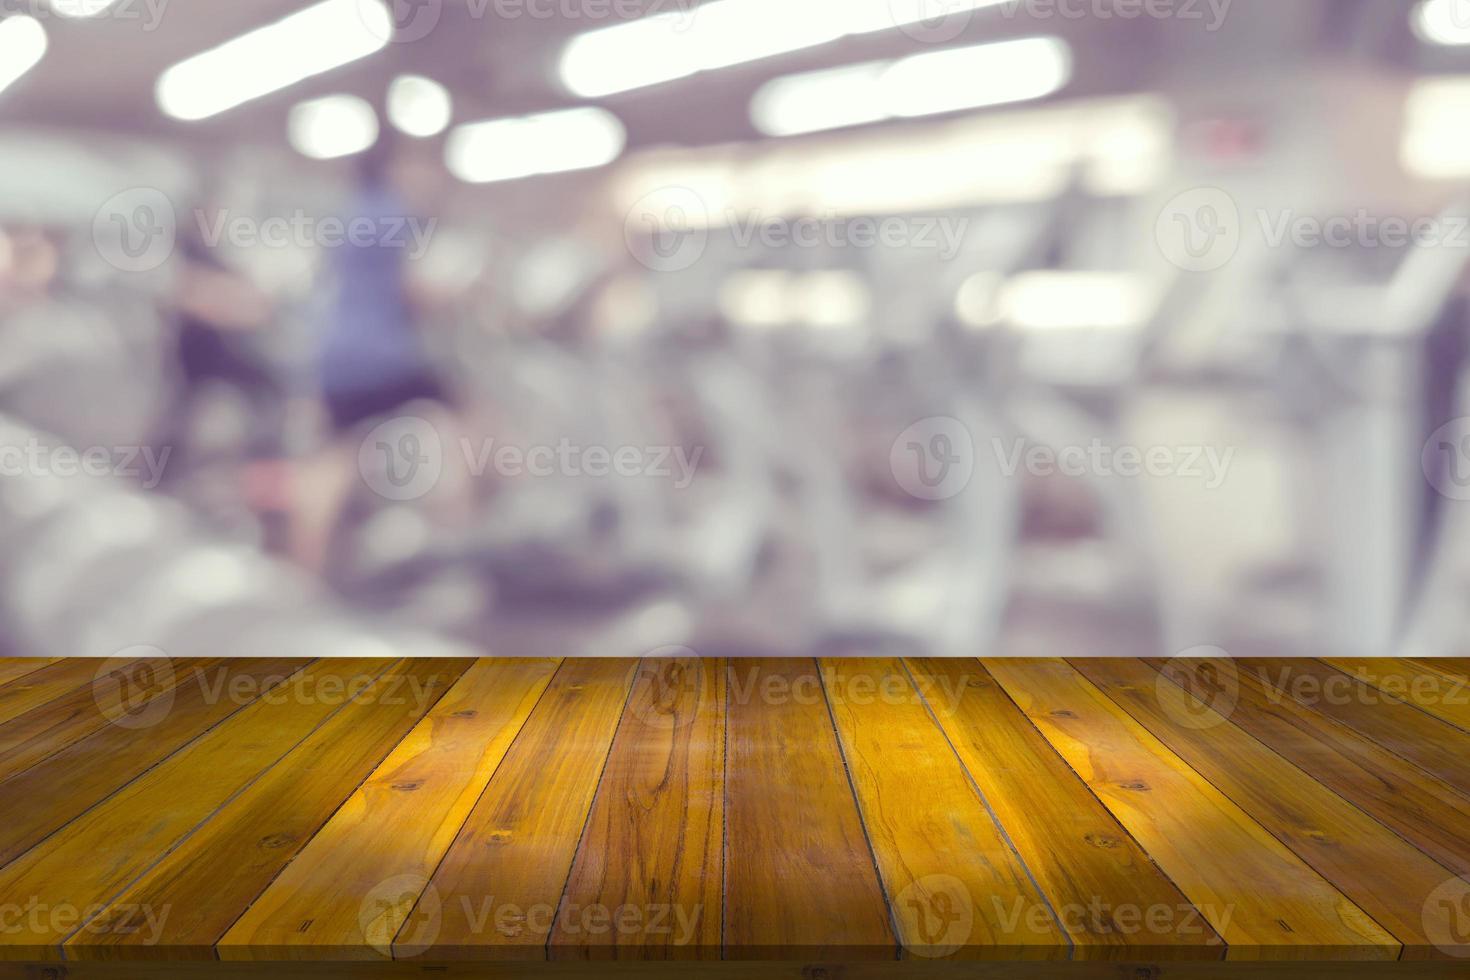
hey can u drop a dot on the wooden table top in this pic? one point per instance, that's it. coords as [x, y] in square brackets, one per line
[836, 811]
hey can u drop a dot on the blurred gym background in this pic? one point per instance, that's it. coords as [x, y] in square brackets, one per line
[614, 327]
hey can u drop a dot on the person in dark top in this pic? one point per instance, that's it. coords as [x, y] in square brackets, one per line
[371, 363]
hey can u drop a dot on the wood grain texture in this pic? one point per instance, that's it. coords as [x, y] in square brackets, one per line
[1382, 873]
[1423, 809]
[646, 883]
[799, 876]
[798, 811]
[1107, 892]
[1430, 743]
[955, 885]
[214, 875]
[1431, 691]
[1263, 899]
[51, 727]
[34, 688]
[85, 864]
[497, 890]
[14, 668]
[395, 828]
[43, 798]
[791, 969]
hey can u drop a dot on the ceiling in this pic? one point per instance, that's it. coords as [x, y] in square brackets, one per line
[497, 57]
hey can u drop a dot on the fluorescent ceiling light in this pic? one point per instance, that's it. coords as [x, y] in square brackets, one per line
[677, 44]
[1434, 145]
[1058, 300]
[545, 143]
[419, 106]
[332, 126]
[311, 41]
[22, 43]
[79, 9]
[1119, 146]
[920, 85]
[1443, 21]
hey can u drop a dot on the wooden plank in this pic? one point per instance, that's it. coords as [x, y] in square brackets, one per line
[1431, 691]
[396, 827]
[1426, 811]
[86, 863]
[788, 970]
[1378, 870]
[35, 688]
[121, 696]
[1111, 898]
[497, 890]
[799, 876]
[43, 798]
[209, 880]
[14, 668]
[1433, 745]
[1264, 900]
[1457, 668]
[955, 885]
[646, 882]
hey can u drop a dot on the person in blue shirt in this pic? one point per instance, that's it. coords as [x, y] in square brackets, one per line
[371, 362]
